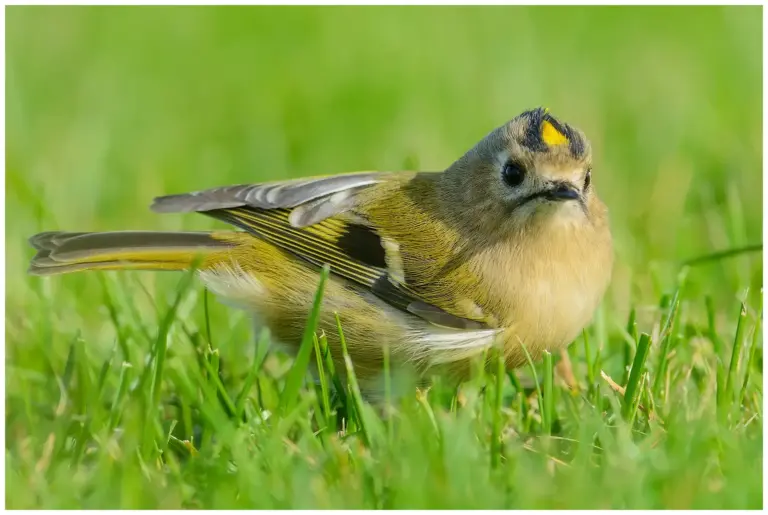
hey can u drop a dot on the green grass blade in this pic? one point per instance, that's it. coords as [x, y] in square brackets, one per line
[717, 345]
[101, 381]
[214, 362]
[666, 335]
[752, 348]
[633, 388]
[320, 418]
[324, 390]
[161, 343]
[712, 328]
[212, 367]
[523, 410]
[547, 415]
[514, 380]
[331, 368]
[738, 344]
[636, 398]
[211, 410]
[588, 359]
[290, 394]
[354, 387]
[422, 397]
[207, 316]
[117, 402]
[388, 395]
[632, 332]
[262, 342]
[723, 254]
[112, 310]
[262, 349]
[496, 430]
[69, 364]
[531, 365]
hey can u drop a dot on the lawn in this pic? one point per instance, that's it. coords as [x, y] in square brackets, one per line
[140, 391]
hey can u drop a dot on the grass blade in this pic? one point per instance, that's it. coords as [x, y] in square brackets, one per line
[717, 345]
[666, 335]
[632, 331]
[549, 394]
[523, 410]
[711, 327]
[112, 310]
[496, 443]
[331, 367]
[636, 401]
[723, 254]
[161, 343]
[290, 395]
[354, 387]
[122, 387]
[326, 401]
[752, 348]
[422, 397]
[207, 316]
[210, 409]
[212, 367]
[738, 343]
[588, 359]
[101, 381]
[539, 396]
[388, 395]
[214, 362]
[262, 346]
[633, 388]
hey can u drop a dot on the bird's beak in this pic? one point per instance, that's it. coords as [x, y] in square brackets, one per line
[562, 191]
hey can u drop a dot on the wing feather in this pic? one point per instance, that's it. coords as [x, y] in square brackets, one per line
[318, 244]
[274, 195]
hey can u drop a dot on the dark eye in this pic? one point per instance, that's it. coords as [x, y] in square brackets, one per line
[588, 179]
[513, 173]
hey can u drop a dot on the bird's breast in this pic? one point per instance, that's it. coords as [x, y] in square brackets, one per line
[544, 293]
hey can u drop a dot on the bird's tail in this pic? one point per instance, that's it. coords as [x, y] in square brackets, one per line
[64, 252]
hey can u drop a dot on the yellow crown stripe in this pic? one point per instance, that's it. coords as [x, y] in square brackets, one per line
[552, 136]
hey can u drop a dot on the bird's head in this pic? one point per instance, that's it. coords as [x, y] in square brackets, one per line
[526, 171]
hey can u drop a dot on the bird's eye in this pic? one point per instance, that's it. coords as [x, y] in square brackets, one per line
[588, 179]
[513, 173]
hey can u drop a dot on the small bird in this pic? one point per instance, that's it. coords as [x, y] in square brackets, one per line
[508, 246]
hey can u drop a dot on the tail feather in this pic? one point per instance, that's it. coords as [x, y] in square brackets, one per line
[64, 252]
[51, 239]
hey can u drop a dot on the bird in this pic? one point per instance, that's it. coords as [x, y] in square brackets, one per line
[508, 247]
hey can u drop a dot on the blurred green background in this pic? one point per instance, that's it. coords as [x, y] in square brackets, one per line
[107, 107]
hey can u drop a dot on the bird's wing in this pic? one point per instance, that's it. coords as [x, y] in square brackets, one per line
[306, 218]
[311, 199]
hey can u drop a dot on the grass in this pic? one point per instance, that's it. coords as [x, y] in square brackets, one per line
[134, 391]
